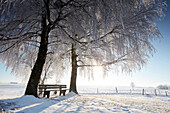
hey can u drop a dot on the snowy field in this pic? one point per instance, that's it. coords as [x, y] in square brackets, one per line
[97, 99]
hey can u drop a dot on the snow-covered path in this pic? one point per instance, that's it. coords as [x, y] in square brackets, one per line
[138, 103]
[72, 103]
[100, 104]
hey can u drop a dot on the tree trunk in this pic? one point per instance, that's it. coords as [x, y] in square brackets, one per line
[73, 86]
[40, 61]
[37, 70]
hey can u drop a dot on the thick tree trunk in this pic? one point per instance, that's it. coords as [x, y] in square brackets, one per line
[36, 71]
[38, 66]
[73, 86]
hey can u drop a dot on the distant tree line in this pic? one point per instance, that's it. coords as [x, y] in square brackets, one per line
[166, 87]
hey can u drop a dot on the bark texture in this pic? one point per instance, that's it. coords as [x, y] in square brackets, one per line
[73, 86]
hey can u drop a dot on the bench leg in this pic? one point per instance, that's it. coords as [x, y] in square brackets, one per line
[46, 93]
[62, 92]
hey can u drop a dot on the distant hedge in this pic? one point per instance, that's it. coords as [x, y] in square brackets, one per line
[167, 87]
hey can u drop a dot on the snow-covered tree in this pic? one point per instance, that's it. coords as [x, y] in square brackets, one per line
[121, 35]
[119, 30]
[34, 24]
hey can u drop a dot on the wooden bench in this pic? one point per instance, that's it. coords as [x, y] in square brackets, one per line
[46, 88]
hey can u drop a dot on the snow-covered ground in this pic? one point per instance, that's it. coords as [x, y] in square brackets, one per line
[91, 100]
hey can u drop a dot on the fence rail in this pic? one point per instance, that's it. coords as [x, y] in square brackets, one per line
[116, 90]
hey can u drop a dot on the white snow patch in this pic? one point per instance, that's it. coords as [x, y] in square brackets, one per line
[83, 103]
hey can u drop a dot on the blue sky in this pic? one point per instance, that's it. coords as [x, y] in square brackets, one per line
[156, 72]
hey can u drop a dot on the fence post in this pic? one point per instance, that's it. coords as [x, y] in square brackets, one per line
[155, 92]
[143, 91]
[166, 93]
[116, 90]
